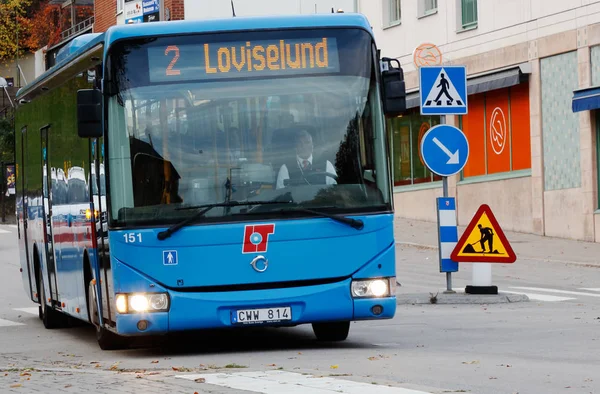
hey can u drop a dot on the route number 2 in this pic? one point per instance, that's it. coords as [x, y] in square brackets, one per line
[131, 238]
[170, 70]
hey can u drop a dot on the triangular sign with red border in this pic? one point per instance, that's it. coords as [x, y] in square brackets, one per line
[483, 241]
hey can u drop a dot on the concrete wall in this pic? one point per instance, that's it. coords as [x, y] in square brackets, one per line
[418, 204]
[509, 199]
[208, 9]
[27, 63]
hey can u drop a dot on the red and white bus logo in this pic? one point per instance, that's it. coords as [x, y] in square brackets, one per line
[256, 238]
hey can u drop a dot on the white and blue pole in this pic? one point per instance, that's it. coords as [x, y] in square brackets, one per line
[447, 237]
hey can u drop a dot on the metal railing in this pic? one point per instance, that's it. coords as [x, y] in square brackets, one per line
[78, 28]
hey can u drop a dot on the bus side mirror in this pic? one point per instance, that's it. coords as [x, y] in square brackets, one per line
[89, 113]
[394, 89]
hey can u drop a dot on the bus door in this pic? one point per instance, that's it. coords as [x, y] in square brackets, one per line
[25, 205]
[98, 186]
[48, 228]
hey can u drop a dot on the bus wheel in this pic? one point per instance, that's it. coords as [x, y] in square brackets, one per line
[107, 340]
[50, 317]
[336, 331]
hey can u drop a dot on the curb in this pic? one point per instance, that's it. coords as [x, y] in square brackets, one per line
[459, 298]
[526, 258]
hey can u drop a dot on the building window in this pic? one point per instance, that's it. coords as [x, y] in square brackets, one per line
[430, 6]
[120, 4]
[497, 127]
[392, 12]
[407, 132]
[469, 13]
[426, 7]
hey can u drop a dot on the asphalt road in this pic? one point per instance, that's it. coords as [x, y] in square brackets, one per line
[550, 344]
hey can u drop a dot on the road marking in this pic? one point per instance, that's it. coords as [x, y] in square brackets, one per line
[542, 297]
[3, 231]
[277, 382]
[34, 310]
[557, 291]
[590, 288]
[8, 323]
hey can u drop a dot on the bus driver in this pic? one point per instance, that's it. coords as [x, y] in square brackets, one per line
[305, 165]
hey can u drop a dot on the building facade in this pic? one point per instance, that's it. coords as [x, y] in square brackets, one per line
[208, 9]
[118, 12]
[533, 155]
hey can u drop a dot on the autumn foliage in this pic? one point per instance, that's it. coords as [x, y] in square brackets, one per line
[37, 22]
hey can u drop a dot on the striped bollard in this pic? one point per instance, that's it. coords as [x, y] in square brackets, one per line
[447, 237]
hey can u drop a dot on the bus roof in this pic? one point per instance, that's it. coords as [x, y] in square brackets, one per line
[80, 45]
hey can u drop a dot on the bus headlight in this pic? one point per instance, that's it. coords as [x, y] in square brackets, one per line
[138, 302]
[142, 302]
[373, 288]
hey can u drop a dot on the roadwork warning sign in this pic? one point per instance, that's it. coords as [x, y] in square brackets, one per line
[483, 241]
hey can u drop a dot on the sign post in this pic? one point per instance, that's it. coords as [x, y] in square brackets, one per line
[445, 149]
[483, 243]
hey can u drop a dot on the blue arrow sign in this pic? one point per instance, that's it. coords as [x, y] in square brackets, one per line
[443, 90]
[445, 150]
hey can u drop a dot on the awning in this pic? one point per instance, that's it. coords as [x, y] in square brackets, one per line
[484, 82]
[586, 99]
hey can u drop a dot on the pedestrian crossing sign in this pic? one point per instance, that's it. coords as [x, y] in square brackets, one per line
[443, 90]
[483, 241]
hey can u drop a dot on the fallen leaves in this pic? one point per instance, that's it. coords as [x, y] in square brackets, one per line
[334, 367]
[154, 362]
[471, 362]
[234, 365]
[200, 380]
[14, 386]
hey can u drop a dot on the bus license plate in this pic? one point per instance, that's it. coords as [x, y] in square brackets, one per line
[248, 316]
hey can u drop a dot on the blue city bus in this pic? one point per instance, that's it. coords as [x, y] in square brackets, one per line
[191, 175]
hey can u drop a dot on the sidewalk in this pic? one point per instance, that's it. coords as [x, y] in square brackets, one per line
[526, 246]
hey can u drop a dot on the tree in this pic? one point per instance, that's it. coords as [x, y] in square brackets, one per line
[7, 141]
[45, 26]
[13, 22]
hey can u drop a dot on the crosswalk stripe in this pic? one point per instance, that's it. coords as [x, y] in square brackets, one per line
[3, 231]
[33, 310]
[276, 382]
[542, 297]
[590, 288]
[8, 323]
[557, 291]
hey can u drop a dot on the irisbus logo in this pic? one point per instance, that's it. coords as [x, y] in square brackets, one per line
[256, 238]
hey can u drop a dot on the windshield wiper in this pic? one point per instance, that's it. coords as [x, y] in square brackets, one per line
[205, 208]
[354, 223]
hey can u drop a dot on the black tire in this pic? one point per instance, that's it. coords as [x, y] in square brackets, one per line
[331, 332]
[49, 316]
[107, 340]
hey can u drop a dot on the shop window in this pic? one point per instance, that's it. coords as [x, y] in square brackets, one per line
[497, 127]
[407, 132]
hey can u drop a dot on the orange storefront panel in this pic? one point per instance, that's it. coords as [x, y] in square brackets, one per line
[497, 131]
[521, 137]
[473, 128]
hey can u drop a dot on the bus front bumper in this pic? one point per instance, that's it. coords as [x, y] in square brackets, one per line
[281, 307]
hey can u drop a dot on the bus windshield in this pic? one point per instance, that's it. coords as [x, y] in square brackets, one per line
[204, 119]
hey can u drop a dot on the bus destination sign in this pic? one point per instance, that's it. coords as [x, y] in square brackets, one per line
[243, 59]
